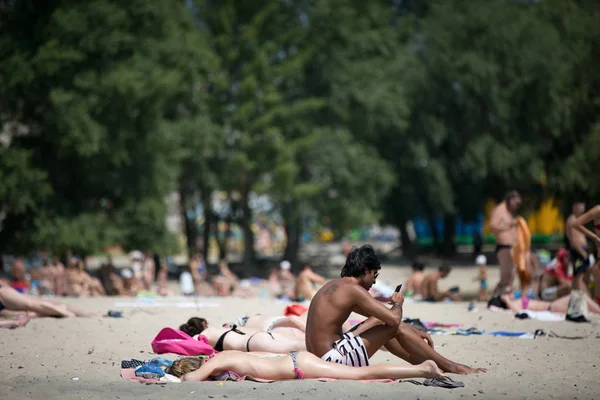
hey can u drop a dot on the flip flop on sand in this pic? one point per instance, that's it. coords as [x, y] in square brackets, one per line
[115, 314]
[443, 382]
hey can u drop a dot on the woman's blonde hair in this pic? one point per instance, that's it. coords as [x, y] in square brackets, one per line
[184, 366]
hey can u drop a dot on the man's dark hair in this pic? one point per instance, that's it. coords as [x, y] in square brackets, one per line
[513, 194]
[445, 268]
[359, 261]
[418, 266]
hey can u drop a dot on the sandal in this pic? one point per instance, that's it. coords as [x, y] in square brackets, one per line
[443, 382]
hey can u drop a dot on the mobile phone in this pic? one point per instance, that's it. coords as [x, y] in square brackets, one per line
[398, 288]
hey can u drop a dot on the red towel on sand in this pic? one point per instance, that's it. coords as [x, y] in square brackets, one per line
[294, 309]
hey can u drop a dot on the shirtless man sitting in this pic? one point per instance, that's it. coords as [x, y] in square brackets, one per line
[578, 246]
[504, 227]
[334, 302]
[304, 287]
[430, 285]
[415, 281]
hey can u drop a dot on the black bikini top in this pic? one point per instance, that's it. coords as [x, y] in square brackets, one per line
[219, 345]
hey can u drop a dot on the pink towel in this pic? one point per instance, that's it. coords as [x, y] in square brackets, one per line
[171, 340]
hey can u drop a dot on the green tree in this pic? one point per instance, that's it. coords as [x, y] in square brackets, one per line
[97, 86]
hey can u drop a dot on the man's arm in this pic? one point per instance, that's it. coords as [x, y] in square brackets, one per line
[316, 278]
[570, 225]
[202, 373]
[579, 223]
[367, 306]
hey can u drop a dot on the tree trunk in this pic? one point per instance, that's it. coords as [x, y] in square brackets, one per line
[190, 229]
[246, 222]
[407, 245]
[434, 233]
[293, 234]
[449, 235]
[208, 222]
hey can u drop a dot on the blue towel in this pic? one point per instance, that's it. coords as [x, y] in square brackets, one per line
[149, 372]
[506, 333]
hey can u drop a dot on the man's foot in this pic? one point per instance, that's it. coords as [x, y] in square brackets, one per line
[461, 369]
[431, 370]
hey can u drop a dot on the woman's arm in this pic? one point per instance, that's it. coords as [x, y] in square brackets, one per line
[201, 374]
[583, 219]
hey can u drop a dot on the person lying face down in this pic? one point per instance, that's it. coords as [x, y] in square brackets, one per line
[241, 338]
[296, 365]
[560, 305]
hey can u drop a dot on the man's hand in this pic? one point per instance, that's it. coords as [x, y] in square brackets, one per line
[397, 298]
[425, 336]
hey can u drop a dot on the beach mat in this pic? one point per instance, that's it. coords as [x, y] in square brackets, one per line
[129, 374]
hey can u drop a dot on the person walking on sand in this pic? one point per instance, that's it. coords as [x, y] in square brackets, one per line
[504, 227]
[334, 302]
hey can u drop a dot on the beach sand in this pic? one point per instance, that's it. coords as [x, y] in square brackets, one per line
[80, 358]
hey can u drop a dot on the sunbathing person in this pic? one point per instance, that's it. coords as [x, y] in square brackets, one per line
[267, 323]
[12, 300]
[555, 281]
[413, 287]
[297, 365]
[241, 339]
[291, 326]
[79, 282]
[560, 305]
[429, 287]
[304, 288]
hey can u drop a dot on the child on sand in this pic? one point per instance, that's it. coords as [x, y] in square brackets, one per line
[481, 262]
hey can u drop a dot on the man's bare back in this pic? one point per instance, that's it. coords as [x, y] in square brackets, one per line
[329, 309]
[429, 285]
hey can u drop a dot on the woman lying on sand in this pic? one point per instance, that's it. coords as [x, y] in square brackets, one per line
[241, 339]
[558, 306]
[270, 322]
[11, 300]
[297, 365]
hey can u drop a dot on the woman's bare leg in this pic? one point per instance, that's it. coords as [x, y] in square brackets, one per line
[313, 367]
[289, 322]
[16, 301]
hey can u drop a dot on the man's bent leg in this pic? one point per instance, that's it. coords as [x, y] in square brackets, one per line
[409, 346]
[374, 334]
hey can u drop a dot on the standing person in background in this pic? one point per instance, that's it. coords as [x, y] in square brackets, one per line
[576, 240]
[504, 227]
[577, 306]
